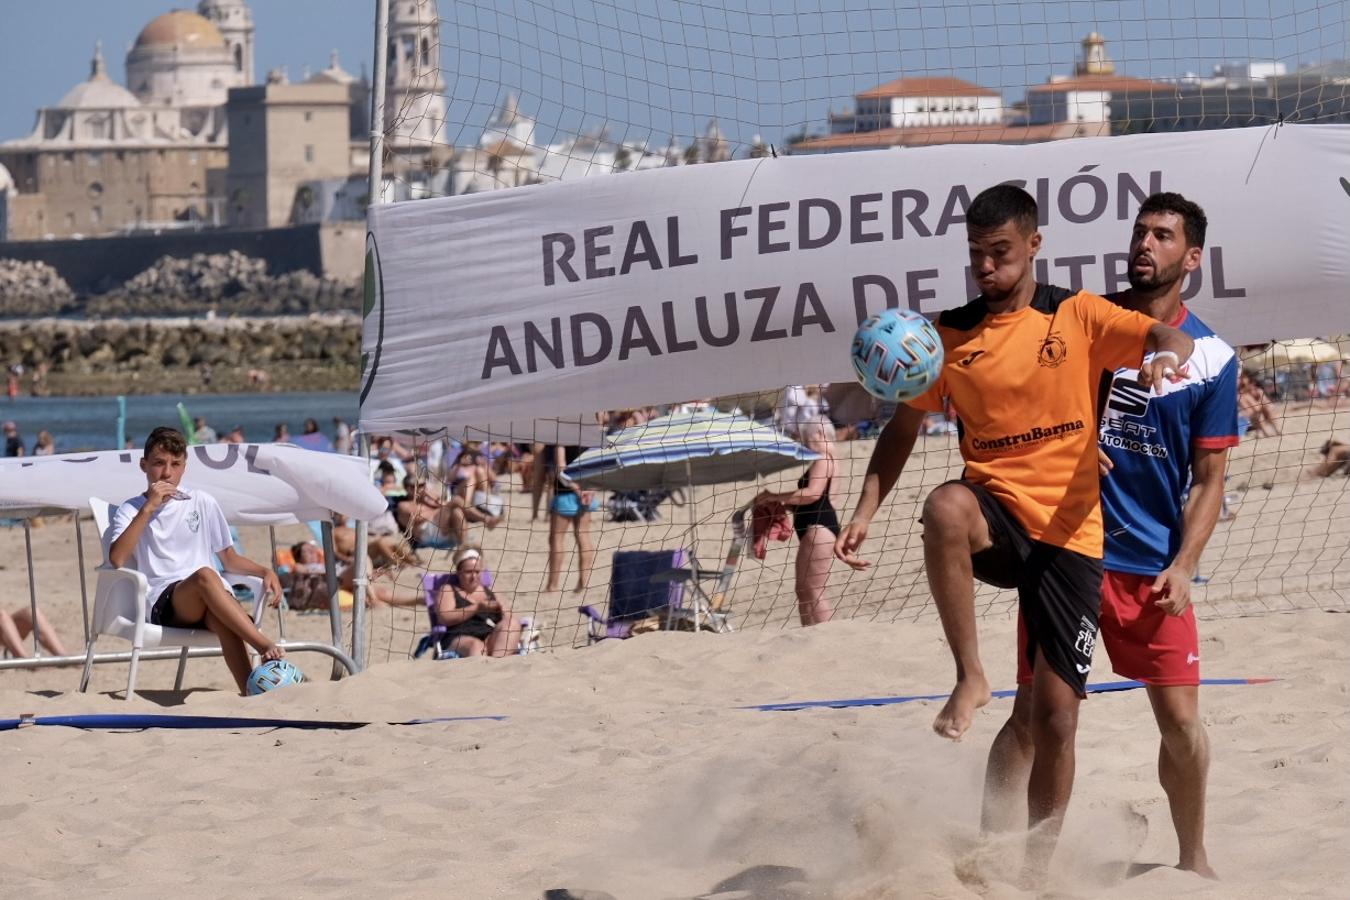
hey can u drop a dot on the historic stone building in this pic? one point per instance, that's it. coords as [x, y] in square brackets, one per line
[284, 135]
[156, 154]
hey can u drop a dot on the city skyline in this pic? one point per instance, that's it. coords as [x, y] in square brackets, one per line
[771, 69]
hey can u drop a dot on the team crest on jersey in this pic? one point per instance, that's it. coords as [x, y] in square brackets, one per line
[194, 521]
[1053, 351]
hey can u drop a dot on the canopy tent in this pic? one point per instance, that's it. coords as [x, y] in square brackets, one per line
[1300, 352]
[255, 484]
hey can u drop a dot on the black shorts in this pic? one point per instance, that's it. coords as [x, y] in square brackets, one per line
[162, 613]
[1059, 591]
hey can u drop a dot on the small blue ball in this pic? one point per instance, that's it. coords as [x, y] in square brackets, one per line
[273, 674]
[897, 355]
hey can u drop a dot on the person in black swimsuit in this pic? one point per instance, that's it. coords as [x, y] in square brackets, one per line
[815, 521]
[478, 620]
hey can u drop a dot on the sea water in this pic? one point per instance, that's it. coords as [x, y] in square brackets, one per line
[90, 423]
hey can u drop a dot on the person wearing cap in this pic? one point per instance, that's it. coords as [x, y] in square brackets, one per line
[478, 620]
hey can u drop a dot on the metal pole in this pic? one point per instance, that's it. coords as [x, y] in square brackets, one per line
[281, 605]
[334, 601]
[121, 422]
[32, 584]
[359, 578]
[377, 102]
[84, 588]
[373, 190]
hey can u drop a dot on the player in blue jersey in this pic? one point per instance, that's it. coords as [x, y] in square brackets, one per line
[1163, 459]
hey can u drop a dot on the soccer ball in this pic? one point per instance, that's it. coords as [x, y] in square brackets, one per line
[896, 355]
[273, 674]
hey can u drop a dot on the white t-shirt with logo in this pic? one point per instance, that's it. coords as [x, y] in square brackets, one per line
[182, 537]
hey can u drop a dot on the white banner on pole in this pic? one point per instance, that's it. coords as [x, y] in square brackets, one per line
[255, 484]
[555, 301]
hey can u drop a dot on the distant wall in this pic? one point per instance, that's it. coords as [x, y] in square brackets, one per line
[343, 247]
[95, 265]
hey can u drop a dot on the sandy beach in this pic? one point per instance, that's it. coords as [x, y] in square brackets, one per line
[630, 768]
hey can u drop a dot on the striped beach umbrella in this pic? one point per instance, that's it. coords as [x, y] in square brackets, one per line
[686, 450]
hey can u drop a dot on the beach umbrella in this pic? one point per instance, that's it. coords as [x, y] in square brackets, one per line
[1298, 352]
[687, 450]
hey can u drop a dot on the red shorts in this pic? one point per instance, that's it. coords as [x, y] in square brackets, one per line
[1144, 643]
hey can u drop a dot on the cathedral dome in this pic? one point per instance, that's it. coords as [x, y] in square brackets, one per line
[334, 74]
[180, 28]
[99, 92]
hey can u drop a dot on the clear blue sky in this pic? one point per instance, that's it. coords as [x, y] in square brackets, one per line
[662, 67]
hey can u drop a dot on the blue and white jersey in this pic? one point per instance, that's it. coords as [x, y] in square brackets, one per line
[1149, 438]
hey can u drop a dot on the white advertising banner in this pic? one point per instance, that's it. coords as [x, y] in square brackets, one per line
[555, 301]
[255, 484]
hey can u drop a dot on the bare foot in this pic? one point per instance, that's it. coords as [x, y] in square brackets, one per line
[1200, 867]
[970, 694]
[271, 651]
[580, 588]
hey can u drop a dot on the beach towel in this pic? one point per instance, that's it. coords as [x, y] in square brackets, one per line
[768, 522]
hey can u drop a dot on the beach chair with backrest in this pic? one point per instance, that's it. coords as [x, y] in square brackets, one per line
[120, 603]
[642, 595]
[668, 589]
[433, 641]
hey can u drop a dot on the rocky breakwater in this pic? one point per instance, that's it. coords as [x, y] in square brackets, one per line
[317, 352]
[209, 323]
[224, 284]
[33, 289]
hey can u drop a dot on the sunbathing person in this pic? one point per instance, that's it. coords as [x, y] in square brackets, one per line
[430, 521]
[1335, 458]
[478, 620]
[15, 627]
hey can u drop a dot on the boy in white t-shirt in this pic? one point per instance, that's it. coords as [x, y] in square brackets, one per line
[171, 537]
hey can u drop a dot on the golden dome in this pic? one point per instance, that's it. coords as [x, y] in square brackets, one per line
[180, 28]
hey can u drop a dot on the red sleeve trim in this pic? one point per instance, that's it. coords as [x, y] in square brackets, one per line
[1215, 443]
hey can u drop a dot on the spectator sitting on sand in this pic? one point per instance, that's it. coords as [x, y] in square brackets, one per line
[18, 625]
[472, 481]
[431, 522]
[1335, 458]
[1256, 408]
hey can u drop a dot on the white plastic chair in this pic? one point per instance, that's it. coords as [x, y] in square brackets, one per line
[120, 604]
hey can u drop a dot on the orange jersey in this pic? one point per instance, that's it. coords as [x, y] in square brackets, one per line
[1024, 385]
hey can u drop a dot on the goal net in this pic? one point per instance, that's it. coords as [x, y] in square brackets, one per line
[485, 96]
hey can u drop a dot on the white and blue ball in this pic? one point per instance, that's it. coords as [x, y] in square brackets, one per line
[273, 674]
[897, 355]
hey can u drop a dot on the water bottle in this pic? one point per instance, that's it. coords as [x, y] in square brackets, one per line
[525, 631]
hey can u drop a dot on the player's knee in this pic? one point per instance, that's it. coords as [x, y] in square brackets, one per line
[1181, 729]
[949, 509]
[1054, 726]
